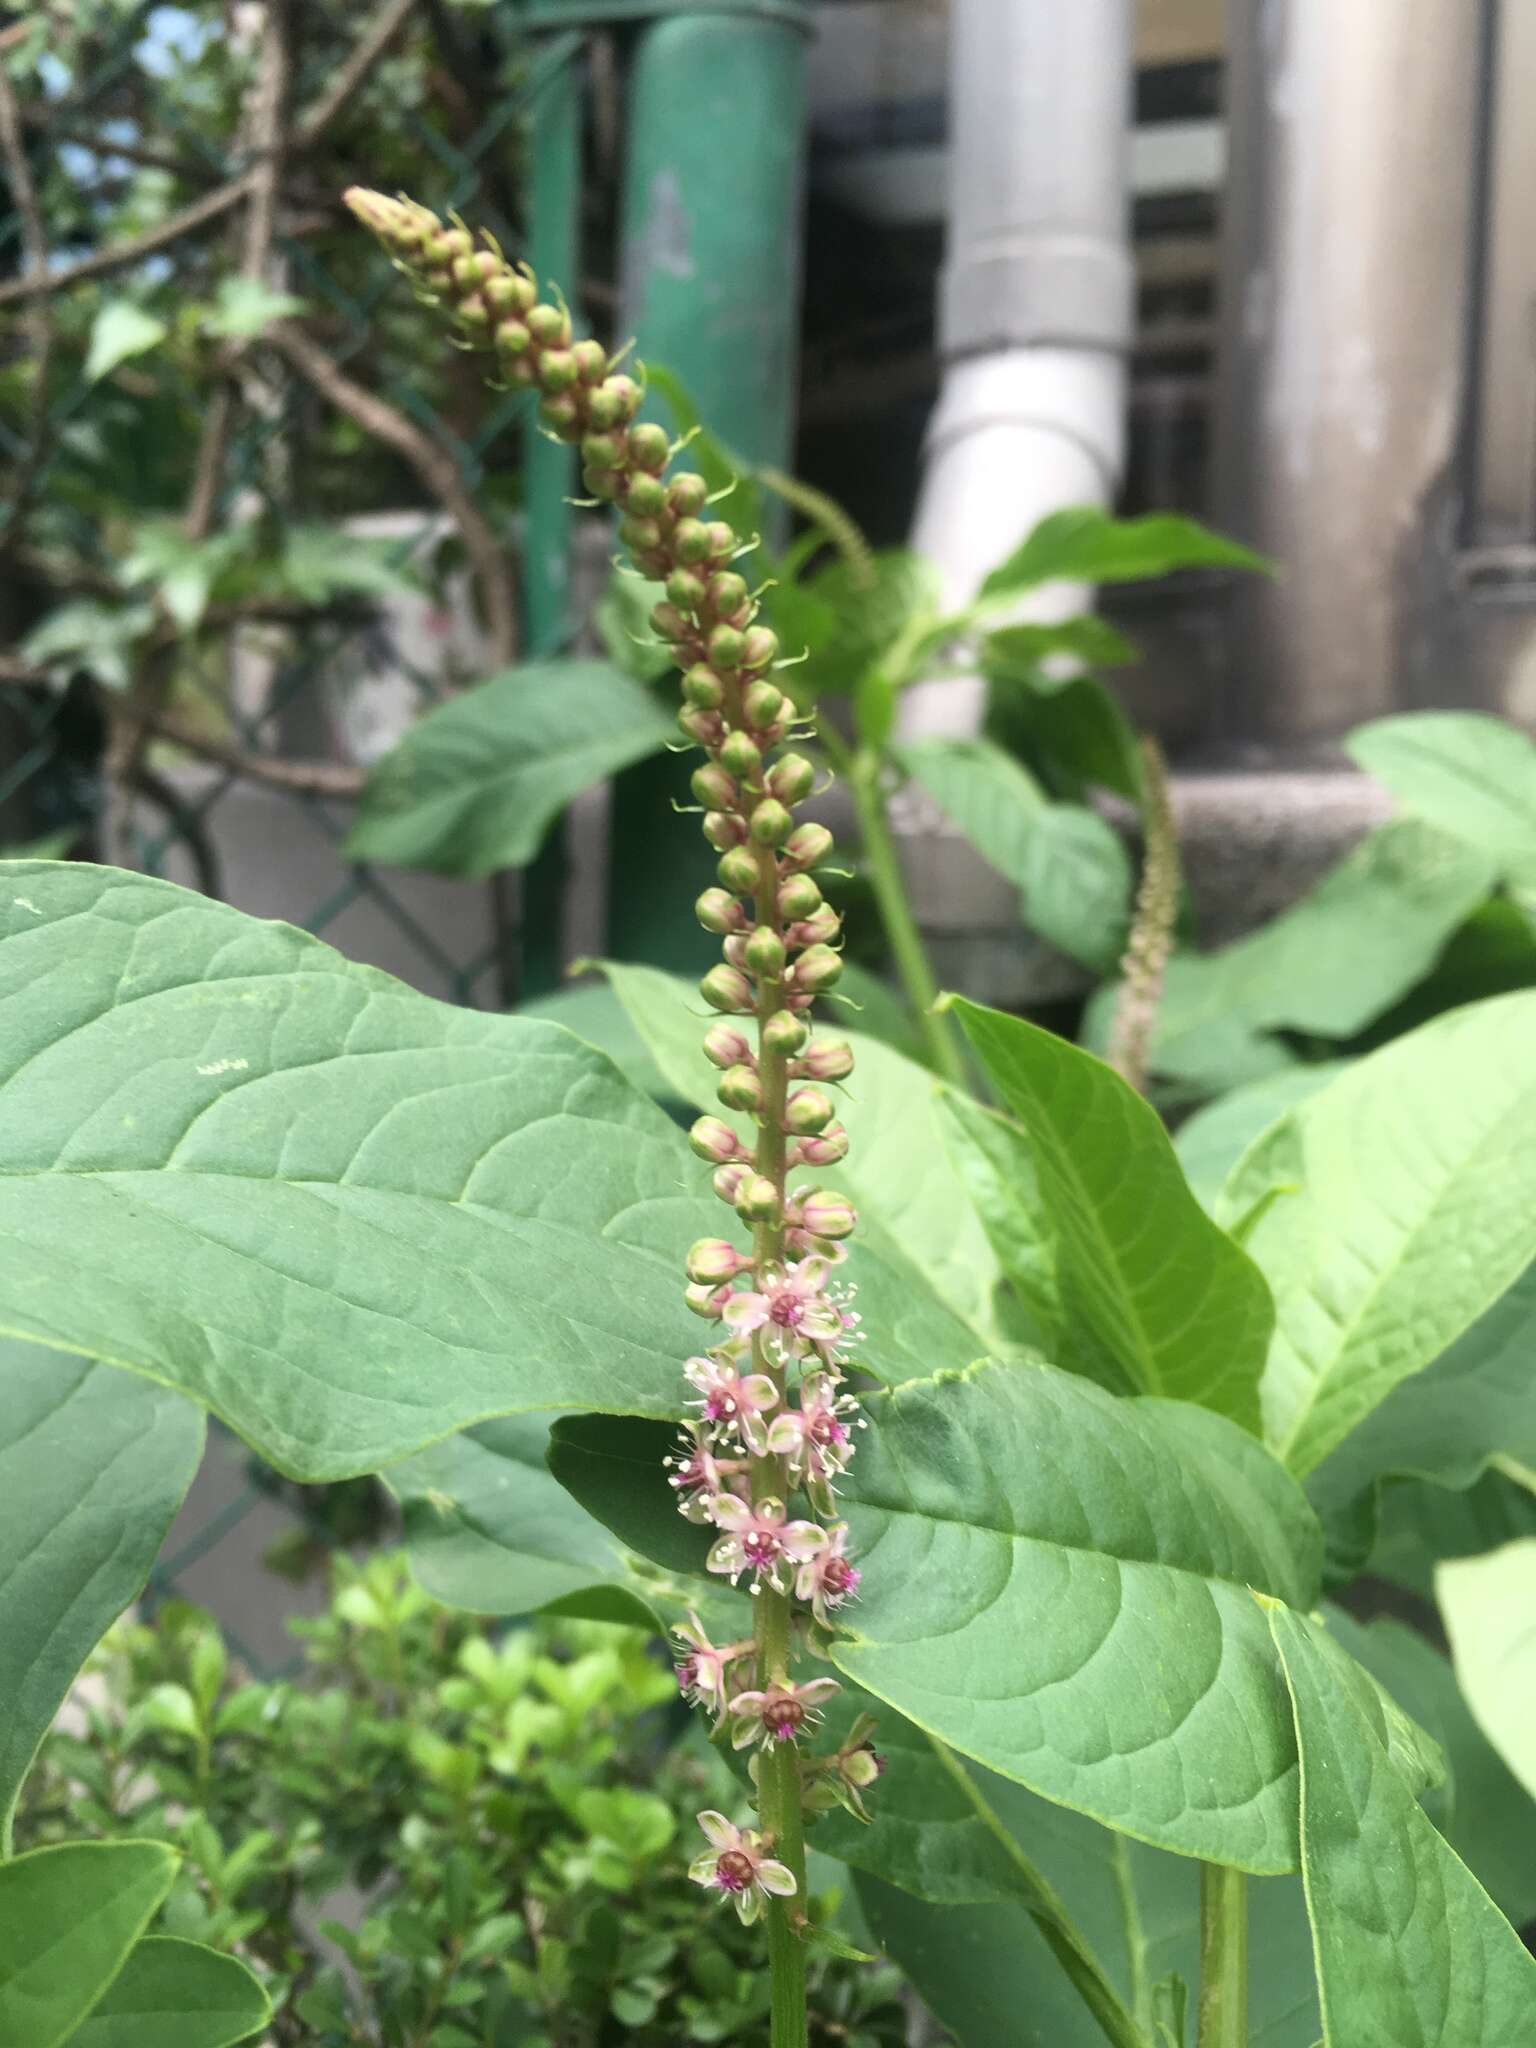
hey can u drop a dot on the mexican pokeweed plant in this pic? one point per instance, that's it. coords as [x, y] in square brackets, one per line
[1013, 1587]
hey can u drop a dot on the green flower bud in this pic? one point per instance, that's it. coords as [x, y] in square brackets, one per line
[711, 1260]
[820, 928]
[686, 588]
[738, 870]
[650, 446]
[785, 1033]
[639, 533]
[727, 988]
[797, 898]
[668, 621]
[722, 540]
[705, 1301]
[770, 823]
[818, 968]
[760, 647]
[602, 451]
[512, 338]
[591, 361]
[727, 1180]
[830, 1059]
[690, 541]
[562, 413]
[765, 953]
[473, 312]
[725, 647]
[714, 789]
[725, 829]
[500, 293]
[792, 778]
[702, 686]
[727, 593]
[647, 496]
[519, 370]
[826, 1148]
[549, 326]
[713, 1140]
[807, 846]
[740, 1088]
[688, 494]
[758, 1200]
[807, 1112]
[761, 704]
[557, 370]
[603, 483]
[825, 1213]
[725, 1046]
[702, 726]
[465, 270]
[718, 911]
[742, 756]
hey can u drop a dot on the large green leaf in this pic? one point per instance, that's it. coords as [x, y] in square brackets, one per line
[1084, 544]
[348, 1218]
[68, 1918]
[1401, 1202]
[1411, 1952]
[959, 1836]
[1489, 1605]
[1154, 1297]
[898, 1169]
[1470, 774]
[93, 1465]
[988, 795]
[1211, 1142]
[472, 787]
[490, 1530]
[1421, 1524]
[176, 1994]
[1485, 1815]
[1476, 1404]
[1334, 961]
[1056, 1584]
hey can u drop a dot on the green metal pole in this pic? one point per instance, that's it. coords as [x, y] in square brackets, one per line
[550, 480]
[711, 288]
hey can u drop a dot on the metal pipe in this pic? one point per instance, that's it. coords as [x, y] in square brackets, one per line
[1345, 273]
[1036, 298]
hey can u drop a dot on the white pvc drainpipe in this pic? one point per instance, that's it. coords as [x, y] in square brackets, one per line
[1037, 299]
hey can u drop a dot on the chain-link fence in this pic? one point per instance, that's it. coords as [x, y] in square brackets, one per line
[211, 381]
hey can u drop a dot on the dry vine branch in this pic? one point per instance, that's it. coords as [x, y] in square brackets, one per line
[34, 242]
[432, 463]
[371, 46]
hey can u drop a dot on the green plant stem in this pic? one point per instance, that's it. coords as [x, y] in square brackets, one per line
[779, 1792]
[913, 967]
[1050, 1915]
[1223, 2004]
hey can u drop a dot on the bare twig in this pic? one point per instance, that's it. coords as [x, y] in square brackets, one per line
[431, 462]
[102, 262]
[371, 46]
[34, 242]
[311, 778]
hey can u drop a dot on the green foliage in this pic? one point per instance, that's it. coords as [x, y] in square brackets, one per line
[1053, 1544]
[515, 1813]
[1411, 1952]
[1178, 1310]
[388, 1280]
[69, 1916]
[93, 1465]
[1388, 1212]
[1488, 1603]
[120, 331]
[1472, 776]
[474, 785]
[1083, 544]
[176, 1994]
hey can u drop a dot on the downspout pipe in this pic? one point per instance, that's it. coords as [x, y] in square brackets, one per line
[1037, 300]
